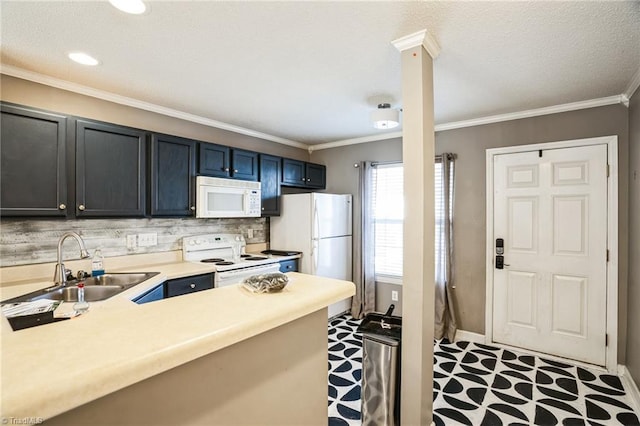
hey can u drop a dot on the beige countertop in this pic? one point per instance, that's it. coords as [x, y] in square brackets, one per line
[49, 369]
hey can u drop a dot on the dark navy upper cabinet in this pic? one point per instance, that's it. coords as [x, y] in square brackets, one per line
[110, 170]
[316, 175]
[33, 178]
[225, 162]
[215, 160]
[173, 170]
[270, 184]
[303, 175]
[293, 172]
[244, 164]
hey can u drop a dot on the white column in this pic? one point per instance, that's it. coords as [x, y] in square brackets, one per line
[418, 51]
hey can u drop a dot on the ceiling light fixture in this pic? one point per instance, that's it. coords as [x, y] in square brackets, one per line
[134, 7]
[385, 118]
[83, 58]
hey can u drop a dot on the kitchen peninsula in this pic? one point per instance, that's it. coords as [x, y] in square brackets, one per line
[221, 356]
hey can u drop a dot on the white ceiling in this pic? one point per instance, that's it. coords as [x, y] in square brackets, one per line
[313, 71]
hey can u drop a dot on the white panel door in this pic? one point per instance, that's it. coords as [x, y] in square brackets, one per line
[551, 210]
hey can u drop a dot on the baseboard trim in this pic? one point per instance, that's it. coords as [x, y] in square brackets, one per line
[469, 336]
[630, 387]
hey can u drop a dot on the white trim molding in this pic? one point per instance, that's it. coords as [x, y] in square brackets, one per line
[147, 106]
[630, 387]
[633, 85]
[135, 103]
[355, 141]
[555, 109]
[420, 38]
[611, 351]
[469, 336]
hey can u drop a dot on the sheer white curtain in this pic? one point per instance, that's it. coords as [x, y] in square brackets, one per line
[445, 318]
[364, 300]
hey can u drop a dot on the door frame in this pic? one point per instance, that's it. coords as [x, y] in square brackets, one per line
[612, 235]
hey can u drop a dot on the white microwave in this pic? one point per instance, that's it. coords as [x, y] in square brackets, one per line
[216, 197]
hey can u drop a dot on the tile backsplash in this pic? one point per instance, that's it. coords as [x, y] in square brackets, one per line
[30, 241]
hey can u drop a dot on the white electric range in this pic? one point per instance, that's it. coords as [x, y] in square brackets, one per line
[227, 253]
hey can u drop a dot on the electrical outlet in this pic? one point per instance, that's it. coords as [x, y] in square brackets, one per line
[394, 295]
[148, 240]
[250, 233]
[132, 241]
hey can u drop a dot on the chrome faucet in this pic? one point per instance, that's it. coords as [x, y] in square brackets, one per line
[60, 275]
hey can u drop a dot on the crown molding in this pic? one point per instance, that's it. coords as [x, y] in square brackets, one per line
[573, 106]
[354, 141]
[420, 38]
[633, 85]
[555, 109]
[135, 103]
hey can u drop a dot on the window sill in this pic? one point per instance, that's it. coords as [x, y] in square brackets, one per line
[388, 280]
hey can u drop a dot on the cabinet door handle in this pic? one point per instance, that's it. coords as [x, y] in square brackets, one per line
[235, 170]
[81, 207]
[263, 208]
[308, 179]
[192, 285]
[302, 179]
[62, 206]
[226, 169]
[193, 208]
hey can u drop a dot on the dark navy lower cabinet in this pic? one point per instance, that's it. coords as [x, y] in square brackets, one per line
[186, 285]
[289, 265]
[156, 293]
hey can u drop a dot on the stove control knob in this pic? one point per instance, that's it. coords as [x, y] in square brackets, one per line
[198, 242]
[191, 242]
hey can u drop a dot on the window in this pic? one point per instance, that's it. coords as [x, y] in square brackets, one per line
[388, 213]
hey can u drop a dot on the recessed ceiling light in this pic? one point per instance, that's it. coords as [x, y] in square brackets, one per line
[83, 58]
[135, 7]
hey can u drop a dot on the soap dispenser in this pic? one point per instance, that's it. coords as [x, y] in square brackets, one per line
[97, 263]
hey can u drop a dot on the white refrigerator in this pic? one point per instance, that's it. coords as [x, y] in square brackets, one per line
[319, 225]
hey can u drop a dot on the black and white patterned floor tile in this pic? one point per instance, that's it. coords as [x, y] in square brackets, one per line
[345, 370]
[476, 384]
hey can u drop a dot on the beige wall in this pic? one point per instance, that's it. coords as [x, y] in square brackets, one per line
[254, 382]
[46, 97]
[469, 210]
[633, 299]
[342, 178]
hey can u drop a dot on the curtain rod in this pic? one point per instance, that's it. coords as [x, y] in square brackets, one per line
[382, 163]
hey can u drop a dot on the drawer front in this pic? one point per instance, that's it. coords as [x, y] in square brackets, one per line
[189, 284]
[289, 265]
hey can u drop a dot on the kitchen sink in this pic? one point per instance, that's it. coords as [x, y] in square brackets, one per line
[95, 288]
[91, 294]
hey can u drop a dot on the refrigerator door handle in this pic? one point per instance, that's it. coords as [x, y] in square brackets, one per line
[315, 253]
[316, 222]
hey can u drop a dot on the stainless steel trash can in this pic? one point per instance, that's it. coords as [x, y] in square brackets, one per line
[381, 337]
